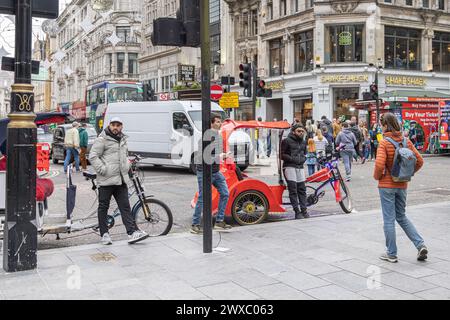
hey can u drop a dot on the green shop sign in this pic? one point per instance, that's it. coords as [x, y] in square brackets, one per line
[345, 38]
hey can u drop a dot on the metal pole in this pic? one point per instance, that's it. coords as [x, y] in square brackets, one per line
[255, 86]
[20, 235]
[378, 100]
[229, 90]
[206, 124]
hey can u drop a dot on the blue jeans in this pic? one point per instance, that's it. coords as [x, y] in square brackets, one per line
[218, 181]
[311, 169]
[69, 152]
[393, 203]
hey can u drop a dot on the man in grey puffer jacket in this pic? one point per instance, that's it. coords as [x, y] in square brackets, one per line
[346, 142]
[109, 157]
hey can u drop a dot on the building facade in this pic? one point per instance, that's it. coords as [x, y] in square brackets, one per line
[320, 56]
[96, 47]
[6, 80]
[42, 82]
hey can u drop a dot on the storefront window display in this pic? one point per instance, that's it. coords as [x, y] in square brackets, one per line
[343, 100]
[345, 43]
[441, 52]
[304, 51]
[402, 48]
[244, 112]
[303, 110]
[277, 54]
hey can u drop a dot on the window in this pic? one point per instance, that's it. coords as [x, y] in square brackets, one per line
[133, 63]
[270, 10]
[254, 22]
[304, 51]
[120, 62]
[214, 8]
[276, 57]
[409, 2]
[101, 95]
[110, 61]
[402, 48]
[297, 5]
[345, 43]
[426, 3]
[441, 4]
[215, 49]
[309, 4]
[179, 120]
[441, 52]
[124, 33]
[388, 1]
[283, 8]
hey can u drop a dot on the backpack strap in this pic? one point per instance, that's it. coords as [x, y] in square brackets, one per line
[395, 143]
[405, 142]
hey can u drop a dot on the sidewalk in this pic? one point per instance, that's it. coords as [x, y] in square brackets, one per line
[333, 257]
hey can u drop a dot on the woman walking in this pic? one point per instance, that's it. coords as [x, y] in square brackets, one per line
[346, 142]
[393, 194]
[373, 142]
[311, 157]
[310, 129]
[366, 141]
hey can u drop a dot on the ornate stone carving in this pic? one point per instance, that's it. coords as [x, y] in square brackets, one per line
[344, 6]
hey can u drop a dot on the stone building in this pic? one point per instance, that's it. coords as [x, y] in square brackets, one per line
[320, 56]
[96, 47]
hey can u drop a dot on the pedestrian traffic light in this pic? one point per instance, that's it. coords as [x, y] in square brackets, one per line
[182, 31]
[245, 77]
[374, 91]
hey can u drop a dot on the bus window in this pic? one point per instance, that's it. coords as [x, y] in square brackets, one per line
[124, 93]
[101, 95]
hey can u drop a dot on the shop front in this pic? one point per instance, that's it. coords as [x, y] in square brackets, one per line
[303, 108]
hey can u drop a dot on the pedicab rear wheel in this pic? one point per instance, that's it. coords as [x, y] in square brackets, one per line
[250, 207]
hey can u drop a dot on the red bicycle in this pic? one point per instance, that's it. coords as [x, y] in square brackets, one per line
[330, 174]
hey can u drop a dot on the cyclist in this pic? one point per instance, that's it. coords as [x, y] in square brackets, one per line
[109, 157]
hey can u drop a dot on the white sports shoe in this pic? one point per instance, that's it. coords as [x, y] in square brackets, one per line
[106, 239]
[137, 236]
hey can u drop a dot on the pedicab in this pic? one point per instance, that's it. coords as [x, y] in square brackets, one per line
[252, 200]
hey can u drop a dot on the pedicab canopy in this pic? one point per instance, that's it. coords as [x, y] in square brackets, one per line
[230, 125]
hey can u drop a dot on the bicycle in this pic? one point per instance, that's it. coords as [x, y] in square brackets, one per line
[330, 174]
[156, 218]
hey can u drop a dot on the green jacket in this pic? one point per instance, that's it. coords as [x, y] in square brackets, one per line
[83, 137]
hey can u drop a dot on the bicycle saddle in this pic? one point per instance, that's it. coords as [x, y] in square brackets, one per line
[89, 175]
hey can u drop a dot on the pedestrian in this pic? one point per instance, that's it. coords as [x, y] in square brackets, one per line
[326, 123]
[358, 135]
[393, 194]
[269, 142]
[327, 135]
[261, 141]
[296, 121]
[310, 129]
[321, 144]
[366, 140]
[311, 157]
[72, 144]
[109, 157]
[84, 139]
[337, 127]
[217, 178]
[293, 153]
[346, 142]
[373, 142]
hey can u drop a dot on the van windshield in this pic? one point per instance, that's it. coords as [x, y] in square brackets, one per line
[196, 116]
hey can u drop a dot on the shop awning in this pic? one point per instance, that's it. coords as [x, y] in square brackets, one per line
[414, 96]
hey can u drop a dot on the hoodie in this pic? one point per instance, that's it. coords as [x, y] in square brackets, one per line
[346, 139]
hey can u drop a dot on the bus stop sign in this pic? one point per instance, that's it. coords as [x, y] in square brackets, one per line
[48, 9]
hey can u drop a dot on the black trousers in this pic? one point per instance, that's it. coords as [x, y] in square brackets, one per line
[120, 194]
[297, 194]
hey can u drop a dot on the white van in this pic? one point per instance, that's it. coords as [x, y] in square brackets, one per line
[167, 133]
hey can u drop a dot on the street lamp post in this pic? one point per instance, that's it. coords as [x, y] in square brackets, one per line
[20, 235]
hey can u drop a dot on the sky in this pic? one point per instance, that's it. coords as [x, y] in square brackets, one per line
[7, 31]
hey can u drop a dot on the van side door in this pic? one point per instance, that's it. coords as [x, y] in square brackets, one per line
[181, 139]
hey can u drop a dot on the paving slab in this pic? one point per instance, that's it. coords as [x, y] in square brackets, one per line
[334, 292]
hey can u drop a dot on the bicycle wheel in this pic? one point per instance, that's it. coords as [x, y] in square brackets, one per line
[346, 202]
[250, 207]
[160, 221]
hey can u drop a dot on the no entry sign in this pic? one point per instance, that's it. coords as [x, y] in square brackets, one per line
[216, 92]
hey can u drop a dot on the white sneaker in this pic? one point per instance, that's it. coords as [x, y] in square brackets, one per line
[106, 239]
[137, 236]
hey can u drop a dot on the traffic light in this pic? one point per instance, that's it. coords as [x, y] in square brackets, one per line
[374, 91]
[245, 77]
[182, 31]
[149, 92]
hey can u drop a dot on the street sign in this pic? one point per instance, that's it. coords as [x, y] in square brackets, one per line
[163, 97]
[186, 73]
[229, 100]
[48, 9]
[216, 92]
